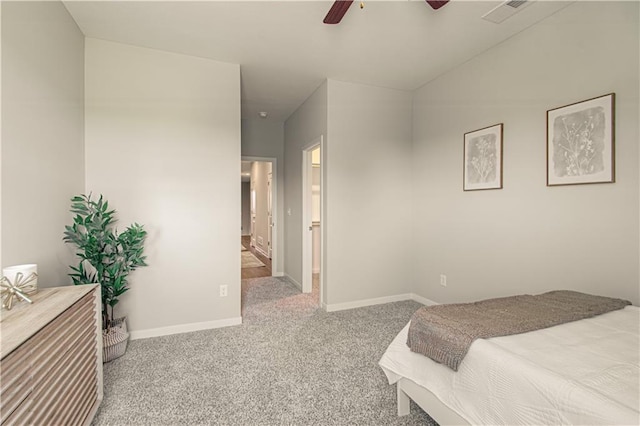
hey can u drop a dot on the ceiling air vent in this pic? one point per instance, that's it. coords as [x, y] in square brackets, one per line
[516, 3]
[505, 10]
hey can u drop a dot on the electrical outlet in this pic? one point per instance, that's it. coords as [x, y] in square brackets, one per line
[443, 280]
[224, 290]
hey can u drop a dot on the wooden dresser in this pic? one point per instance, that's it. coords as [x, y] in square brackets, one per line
[51, 358]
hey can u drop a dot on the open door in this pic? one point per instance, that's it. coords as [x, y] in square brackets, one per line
[312, 234]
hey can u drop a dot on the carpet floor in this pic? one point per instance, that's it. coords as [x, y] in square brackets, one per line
[289, 363]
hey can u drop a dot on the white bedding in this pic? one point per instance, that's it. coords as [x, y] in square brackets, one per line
[583, 372]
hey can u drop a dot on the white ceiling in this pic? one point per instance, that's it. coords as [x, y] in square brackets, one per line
[286, 52]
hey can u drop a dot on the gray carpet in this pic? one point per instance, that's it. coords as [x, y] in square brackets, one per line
[289, 363]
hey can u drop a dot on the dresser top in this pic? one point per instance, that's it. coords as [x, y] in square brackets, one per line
[24, 319]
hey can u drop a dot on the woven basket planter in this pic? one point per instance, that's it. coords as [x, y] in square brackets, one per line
[114, 340]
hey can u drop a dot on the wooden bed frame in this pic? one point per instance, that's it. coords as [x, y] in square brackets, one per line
[408, 389]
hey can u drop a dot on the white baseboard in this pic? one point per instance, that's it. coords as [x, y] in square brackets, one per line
[278, 274]
[423, 300]
[379, 301]
[184, 328]
[207, 325]
[294, 282]
[367, 302]
[261, 251]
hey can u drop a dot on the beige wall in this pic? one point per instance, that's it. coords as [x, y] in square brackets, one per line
[170, 125]
[368, 197]
[366, 157]
[303, 127]
[529, 238]
[163, 145]
[42, 156]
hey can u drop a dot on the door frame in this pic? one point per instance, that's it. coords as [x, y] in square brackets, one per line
[270, 213]
[307, 241]
[275, 254]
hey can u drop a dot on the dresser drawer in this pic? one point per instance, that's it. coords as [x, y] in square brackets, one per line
[55, 375]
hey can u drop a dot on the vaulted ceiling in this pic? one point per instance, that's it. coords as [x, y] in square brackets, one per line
[285, 51]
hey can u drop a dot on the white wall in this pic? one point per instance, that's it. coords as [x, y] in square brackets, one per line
[529, 238]
[42, 135]
[368, 198]
[163, 145]
[265, 138]
[303, 127]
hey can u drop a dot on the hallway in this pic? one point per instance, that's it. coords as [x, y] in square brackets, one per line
[257, 272]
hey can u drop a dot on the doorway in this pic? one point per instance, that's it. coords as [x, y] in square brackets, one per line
[259, 218]
[313, 221]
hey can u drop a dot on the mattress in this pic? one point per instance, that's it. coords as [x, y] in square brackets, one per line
[582, 372]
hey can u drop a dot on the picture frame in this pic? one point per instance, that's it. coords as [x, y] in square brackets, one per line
[581, 142]
[482, 160]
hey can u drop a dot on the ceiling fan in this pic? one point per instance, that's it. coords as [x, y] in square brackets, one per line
[340, 7]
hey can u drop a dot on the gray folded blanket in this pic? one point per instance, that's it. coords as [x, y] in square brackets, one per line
[445, 332]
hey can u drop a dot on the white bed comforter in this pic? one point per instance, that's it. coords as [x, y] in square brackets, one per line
[583, 372]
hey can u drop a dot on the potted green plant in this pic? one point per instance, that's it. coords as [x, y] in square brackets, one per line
[107, 258]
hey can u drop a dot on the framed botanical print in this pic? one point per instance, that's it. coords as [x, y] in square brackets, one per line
[580, 142]
[482, 168]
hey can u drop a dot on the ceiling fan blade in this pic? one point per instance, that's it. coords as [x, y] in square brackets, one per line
[437, 4]
[337, 11]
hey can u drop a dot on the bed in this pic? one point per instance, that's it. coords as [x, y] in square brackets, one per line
[581, 372]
